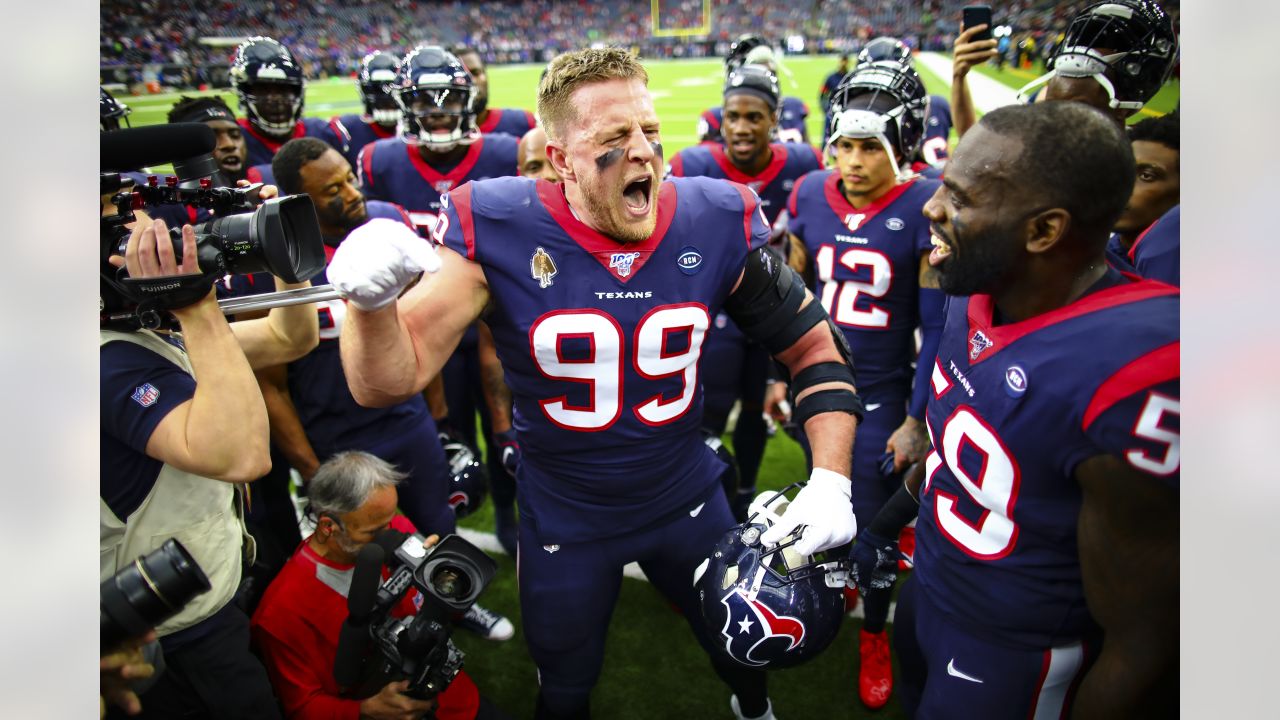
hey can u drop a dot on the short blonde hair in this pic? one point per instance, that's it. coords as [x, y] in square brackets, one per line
[572, 70]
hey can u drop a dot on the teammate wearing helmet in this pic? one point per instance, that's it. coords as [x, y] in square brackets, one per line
[861, 229]
[1115, 56]
[770, 169]
[753, 50]
[937, 129]
[271, 88]
[511, 121]
[381, 113]
[111, 112]
[440, 147]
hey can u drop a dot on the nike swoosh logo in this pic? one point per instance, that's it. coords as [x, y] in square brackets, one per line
[694, 512]
[872, 407]
[953, 672]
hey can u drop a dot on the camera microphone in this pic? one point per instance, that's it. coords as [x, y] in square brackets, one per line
[353, 640]
[135, 148]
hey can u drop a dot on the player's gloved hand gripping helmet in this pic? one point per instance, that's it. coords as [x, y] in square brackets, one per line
[898, 125]
[436, 96]
[377, 75]
[1128, 46]
[269, 83]
[770, 607]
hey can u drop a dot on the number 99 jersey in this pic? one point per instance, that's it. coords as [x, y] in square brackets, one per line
[1014, 409]
[600, 342]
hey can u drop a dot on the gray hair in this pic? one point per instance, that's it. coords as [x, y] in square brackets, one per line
[346, 481]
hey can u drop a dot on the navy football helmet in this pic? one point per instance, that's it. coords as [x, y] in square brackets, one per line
[758, 79]
[885, 49]
[111, 112]
[377, 75]
[1128, 46]
[269, 83]
[437, 97]
[468, 479]
[851, 115]
[769, 607]
[738, 51]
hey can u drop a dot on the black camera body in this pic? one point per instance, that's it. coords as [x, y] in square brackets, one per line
[246, 235]
[449, 576]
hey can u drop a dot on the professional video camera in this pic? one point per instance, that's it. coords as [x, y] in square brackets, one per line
[280, 236]
[375, 647]
[148, 591]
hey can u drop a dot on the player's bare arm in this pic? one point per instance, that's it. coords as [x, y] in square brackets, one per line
[1128, 536]
[286, 427]
[391, 353]
[497, 396]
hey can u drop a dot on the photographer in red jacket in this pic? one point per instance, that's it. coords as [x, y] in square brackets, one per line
[296, 627]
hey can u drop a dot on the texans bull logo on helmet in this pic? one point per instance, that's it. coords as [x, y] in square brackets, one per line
[751, 625]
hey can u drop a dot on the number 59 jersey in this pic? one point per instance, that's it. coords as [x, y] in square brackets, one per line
[600, 342]
[1014, 409]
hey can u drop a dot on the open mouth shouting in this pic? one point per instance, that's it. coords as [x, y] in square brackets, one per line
[637, 195]
[941, 248]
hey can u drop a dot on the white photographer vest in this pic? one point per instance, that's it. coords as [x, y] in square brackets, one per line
[204, 514]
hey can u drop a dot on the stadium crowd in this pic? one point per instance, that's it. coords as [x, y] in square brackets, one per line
[548, 312]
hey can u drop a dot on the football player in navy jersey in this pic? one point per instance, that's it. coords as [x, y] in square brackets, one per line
[271, 88]
[1155, 192]
[313, 416]
[381, 113]
[1156, 252]
[751, 97]
[1046, 566]
[828, 87]
[440, 148]
[792, 117]
[510, 121]
[861, 229]
[937, 128]
[601, 289]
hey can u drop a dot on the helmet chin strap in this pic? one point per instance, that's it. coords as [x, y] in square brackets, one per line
[1081, 62]
[859, 124]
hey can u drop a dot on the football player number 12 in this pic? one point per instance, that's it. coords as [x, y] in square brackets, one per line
[601, 370]
[839, 298]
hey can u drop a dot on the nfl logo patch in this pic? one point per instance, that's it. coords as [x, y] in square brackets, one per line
[146, 395]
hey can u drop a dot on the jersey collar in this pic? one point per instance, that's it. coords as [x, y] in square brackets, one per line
[599, 246]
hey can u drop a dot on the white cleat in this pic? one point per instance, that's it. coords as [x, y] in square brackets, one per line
[737, 711]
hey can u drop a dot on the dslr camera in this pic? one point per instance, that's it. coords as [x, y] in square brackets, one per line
[375, 647]
[148, 591]
[245, 235]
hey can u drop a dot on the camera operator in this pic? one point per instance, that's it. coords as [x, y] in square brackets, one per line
[297, 625]
[183, 424]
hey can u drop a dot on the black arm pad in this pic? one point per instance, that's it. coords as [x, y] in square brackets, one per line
[766, 305]
[823, 401]
[900, 509]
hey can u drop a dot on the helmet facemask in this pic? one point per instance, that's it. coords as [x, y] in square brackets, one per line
[274, 107]
[440, 117]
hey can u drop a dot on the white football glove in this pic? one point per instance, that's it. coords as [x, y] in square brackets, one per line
[377, 260]
[822, 505]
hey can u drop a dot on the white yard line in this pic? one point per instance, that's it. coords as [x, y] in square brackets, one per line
[987, 94]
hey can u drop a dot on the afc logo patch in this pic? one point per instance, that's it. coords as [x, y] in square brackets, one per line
[978, 344]
[146, 395]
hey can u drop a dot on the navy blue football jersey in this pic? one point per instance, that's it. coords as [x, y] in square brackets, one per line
[360, 131]
[937, 132]
[1014, 409]
[867, 264]
[600, 342]
[1155, 253]
[508, 121]
[791, 124]
[261, 173]
[262, 148]
[395, 171]
[790, 162]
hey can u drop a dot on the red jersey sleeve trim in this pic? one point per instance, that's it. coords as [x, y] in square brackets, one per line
[1157, 366]
[795, 194]
[461, 201]
[366, 160]
[749, 205]
[677, 165]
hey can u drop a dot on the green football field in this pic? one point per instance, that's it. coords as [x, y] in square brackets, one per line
[653, 668]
